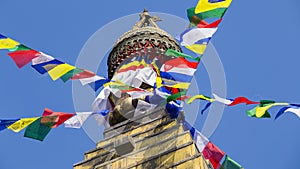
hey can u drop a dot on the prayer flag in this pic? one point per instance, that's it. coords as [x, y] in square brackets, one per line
[207, 5]
[216, 13]
[230, 164]
[200, 140]
[222, 100]
[44, 67]
[211, 25]
[213, 154]
[8, 43]
[60, 70]
[197, 48]
[261, 110]
[193, 35]
[89, 80]
[288, 109]
[200, 96]
[175, 53]
[78, 120]
[37, 130]
[61, 117]
[241, 100]
[252, 113]
[42, 58]
[84, 74]
[70, 74]
[21, 58]
[21, 124]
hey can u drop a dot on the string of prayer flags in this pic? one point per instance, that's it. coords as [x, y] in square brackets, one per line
[43, 63]
[210, 151]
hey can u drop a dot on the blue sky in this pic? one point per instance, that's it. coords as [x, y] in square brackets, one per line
[257, 43]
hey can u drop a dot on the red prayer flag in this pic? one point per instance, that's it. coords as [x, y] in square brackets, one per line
[23, 57]
[83, 75]
[61, 117]
[241, 100]
[212, 25]
[213, 154]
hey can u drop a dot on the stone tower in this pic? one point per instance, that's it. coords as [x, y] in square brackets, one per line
[152, 139]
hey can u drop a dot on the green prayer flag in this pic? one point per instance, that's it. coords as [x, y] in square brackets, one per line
[70, 74]
[176, 96]
[216, 13]
[37, 130]
[252, 113]
[171, 52]
[19, 48]
[230, 164]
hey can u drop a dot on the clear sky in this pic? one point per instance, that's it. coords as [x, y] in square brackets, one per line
[257, 43]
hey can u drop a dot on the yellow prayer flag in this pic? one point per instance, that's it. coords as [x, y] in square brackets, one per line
[21, 124]
[180, 85]
[8, 43]
[200, 96]
[60, 70]
[261, 111]
[205, 5]
[197, 48]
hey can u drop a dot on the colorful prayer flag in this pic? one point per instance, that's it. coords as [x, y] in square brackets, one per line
[21, 124]
[60, 70]
[230, 164]
[207, 5]
[61, 117]
[296, 111]
[171, 52]
[221, 100]
[37, 130]
[78, 120]
[241, 100]
[84, 74]
[197, 48]
[193, 35]
[21, 58]
[44, 67]
[213, 154]
[261, 110]
[216, 13]
[70, 74]
[8, 43]
[200, 96]
[200, 140]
